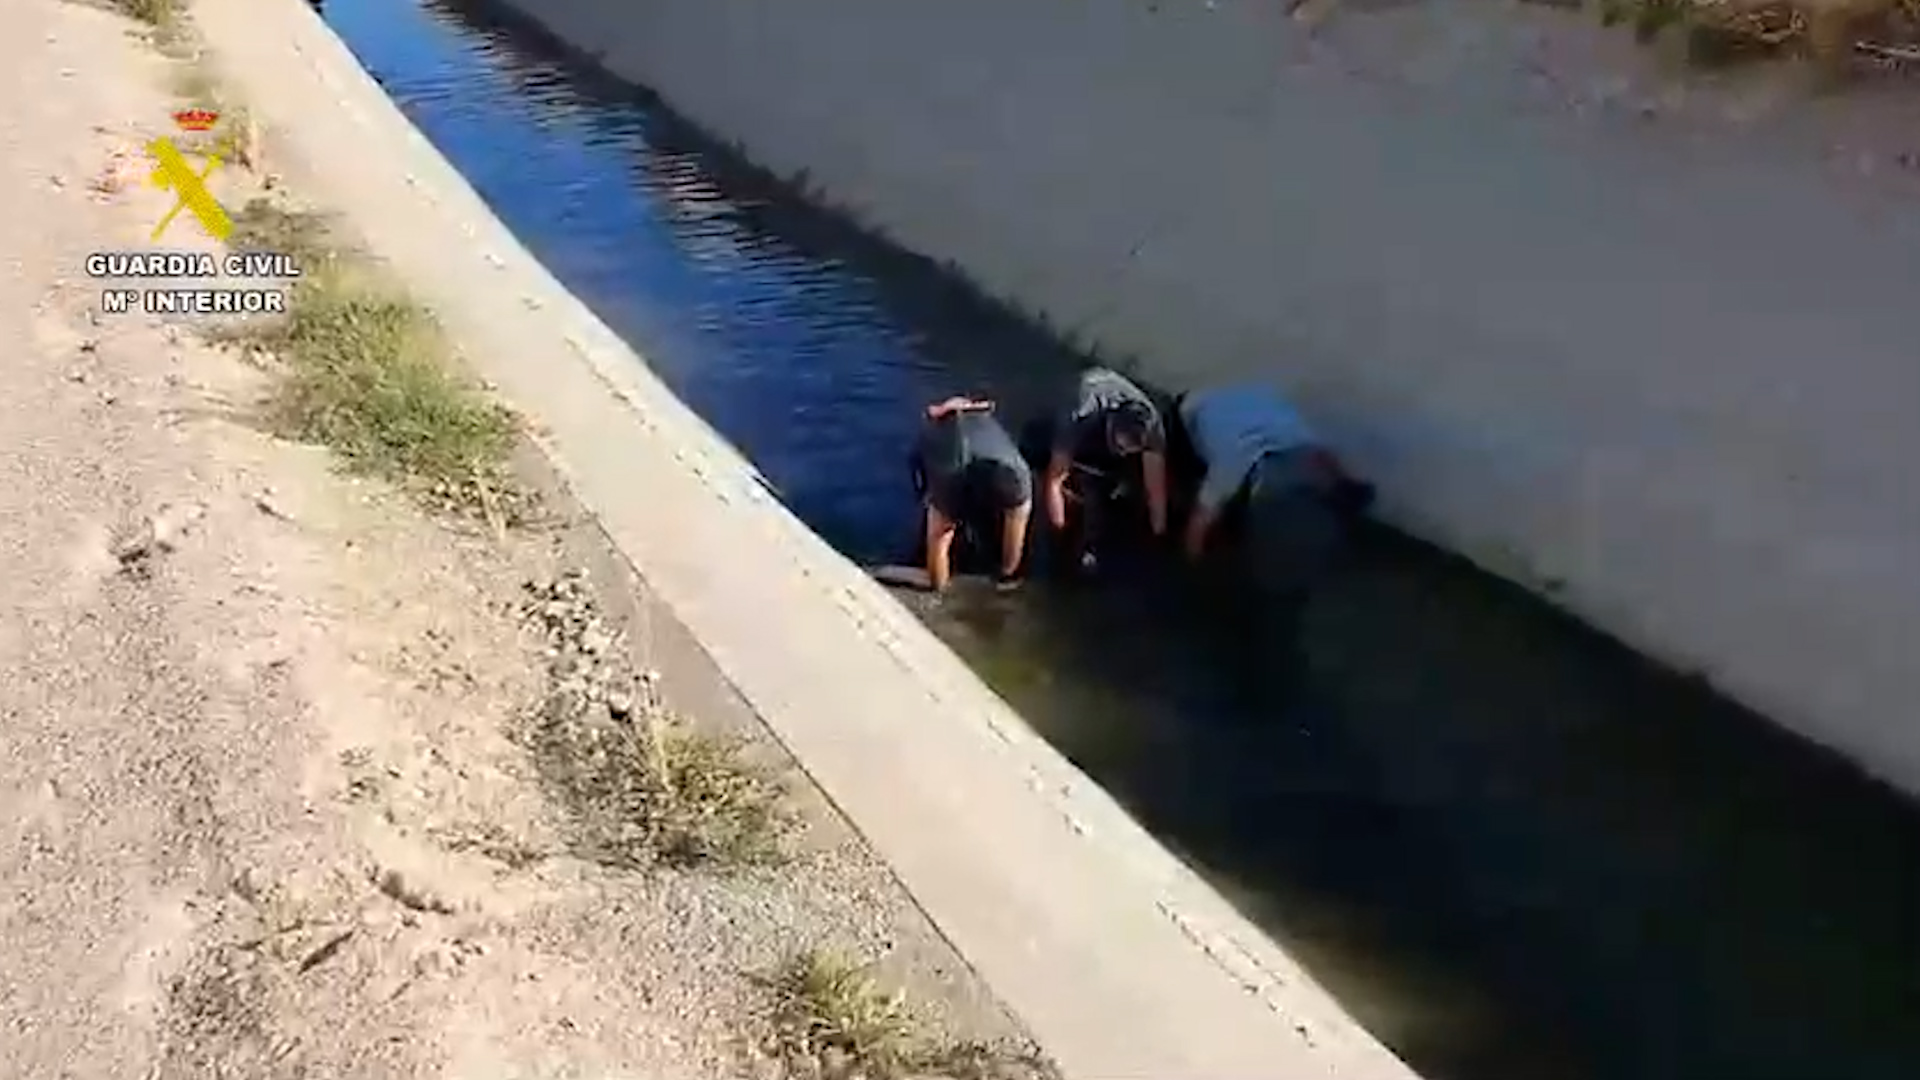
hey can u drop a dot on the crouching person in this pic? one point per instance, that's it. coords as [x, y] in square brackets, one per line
[1104, 454]
[1266, 474]
[972, 483]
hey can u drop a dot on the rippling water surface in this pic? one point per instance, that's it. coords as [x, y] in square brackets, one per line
[1512, 849]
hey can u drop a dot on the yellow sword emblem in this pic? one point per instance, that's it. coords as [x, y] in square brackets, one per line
[172, 171]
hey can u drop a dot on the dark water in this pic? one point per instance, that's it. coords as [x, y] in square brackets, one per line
[1514, 850]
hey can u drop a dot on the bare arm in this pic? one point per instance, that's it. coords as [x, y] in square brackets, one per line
[1013, 539]
[1153, 473]
[1198, 526]
[1217, 489]
[940, 530]
[1054, 488]
[955, 405]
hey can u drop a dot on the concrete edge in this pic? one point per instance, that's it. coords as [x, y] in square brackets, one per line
[1084, 924]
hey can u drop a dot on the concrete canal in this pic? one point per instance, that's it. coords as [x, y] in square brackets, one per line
[1511, 848]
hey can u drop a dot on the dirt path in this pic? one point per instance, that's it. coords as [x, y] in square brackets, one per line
[265, 811]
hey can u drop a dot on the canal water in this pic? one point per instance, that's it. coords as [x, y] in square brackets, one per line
[1512, 849]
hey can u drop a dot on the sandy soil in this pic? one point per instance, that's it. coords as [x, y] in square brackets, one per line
[260, 811]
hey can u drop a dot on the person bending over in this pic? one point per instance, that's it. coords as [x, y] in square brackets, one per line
[1260, 462]
[971, 478]
[1108, 446]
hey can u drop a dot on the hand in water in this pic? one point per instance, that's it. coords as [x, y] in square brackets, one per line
[956, 405]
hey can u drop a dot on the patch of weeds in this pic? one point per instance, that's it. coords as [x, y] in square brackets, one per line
[262, 225]
[830, 1011]
[363, 379]
[1722, 32]
[656, 791]
[160, 14]
[640, 786]
[715, 807]
[986, 1061]
[490, 841]
[832, 1018]
[368, 374]
[165, 24]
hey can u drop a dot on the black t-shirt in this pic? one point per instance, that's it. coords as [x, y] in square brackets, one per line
[969, 465]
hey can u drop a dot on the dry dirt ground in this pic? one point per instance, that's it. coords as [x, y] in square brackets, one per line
[261, 808]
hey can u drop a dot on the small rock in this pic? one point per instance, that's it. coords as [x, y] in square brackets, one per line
[121, 167]
[432, 962]
[159, 534]
[270, 506]
[326, 951]
[620, 705]
[413, 894]
[250, 884]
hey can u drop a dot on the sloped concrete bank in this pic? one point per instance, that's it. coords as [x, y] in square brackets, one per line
[1121, 962]
[1667, 381]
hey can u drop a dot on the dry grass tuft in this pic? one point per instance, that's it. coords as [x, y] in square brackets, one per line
[641, 786]
[829, 1012]
[1832, 34]
[368, 374]
[160, 14]
[656, 792]
[832, 1019]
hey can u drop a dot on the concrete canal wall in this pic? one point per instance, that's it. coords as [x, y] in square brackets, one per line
[1119, 959]
[1670, 382]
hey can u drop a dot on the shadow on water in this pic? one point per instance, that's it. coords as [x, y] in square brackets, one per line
[1513, 849]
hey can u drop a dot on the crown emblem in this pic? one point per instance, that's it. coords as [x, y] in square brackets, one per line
[196, 119]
